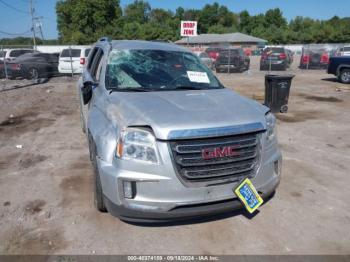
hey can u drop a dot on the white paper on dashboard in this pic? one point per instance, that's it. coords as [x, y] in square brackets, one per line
[198, 77]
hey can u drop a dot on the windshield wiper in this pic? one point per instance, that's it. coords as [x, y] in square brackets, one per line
[185, 88]
[189, 88]
[130, 89]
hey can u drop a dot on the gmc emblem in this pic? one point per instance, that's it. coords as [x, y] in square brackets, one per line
[210, 153]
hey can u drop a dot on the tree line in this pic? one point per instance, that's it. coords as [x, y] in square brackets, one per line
[84, 21]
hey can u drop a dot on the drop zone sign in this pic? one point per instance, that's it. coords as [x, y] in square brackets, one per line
[188, 28]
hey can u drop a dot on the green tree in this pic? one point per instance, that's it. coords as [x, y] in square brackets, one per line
[83, 21]
[138, 11]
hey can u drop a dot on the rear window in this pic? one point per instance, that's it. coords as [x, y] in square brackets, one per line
[87, 51]
[274, 50]
[346, 49]
[71, 53]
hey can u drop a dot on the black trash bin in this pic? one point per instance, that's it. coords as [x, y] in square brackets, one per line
[277, 92]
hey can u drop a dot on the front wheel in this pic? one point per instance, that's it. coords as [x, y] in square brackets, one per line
[344, 76]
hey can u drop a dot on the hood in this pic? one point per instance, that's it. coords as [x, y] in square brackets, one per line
[175, 114]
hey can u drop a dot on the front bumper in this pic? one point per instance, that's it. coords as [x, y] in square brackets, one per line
[179, 213]
[160, 195]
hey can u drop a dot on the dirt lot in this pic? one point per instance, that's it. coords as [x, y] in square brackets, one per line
[46, 189]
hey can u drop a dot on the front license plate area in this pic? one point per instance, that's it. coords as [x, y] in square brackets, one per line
[248, 195]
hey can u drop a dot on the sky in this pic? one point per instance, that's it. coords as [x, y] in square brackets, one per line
[15, 18]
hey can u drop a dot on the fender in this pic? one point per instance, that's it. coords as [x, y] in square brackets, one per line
[342, 66]
[103, 133]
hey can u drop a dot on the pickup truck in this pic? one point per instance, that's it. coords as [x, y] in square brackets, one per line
[340, 67]
[167, 140]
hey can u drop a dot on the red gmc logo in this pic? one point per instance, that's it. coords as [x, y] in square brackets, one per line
[210, 153]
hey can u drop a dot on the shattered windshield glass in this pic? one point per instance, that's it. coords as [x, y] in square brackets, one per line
[157, 70]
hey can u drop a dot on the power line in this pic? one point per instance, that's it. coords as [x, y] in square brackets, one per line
[12, 7]
[6, 33]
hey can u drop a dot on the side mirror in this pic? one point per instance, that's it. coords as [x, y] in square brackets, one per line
[86, 91]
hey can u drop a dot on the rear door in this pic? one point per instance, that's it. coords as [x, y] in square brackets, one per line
[70, 59]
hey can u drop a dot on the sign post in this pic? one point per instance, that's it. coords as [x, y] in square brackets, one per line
[188, 29]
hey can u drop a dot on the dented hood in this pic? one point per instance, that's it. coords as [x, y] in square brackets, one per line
[175, 114]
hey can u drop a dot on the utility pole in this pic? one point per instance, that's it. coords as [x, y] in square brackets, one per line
[33, 22]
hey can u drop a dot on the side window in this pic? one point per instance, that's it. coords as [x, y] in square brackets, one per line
[97, 65]
[91, 58]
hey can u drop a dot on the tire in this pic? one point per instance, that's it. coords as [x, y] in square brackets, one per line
[344, 76]
[217, 70]
[32, 74]
[98, 193]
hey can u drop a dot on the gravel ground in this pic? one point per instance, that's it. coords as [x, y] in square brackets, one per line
[46, 195]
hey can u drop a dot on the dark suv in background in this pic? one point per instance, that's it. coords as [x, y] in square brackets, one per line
[232, 59]
[275, 58]
[314, 58]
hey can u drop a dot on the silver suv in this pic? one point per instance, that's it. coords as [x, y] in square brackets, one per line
[167, 141]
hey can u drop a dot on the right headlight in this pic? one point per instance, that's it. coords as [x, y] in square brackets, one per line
[270, 126]
[137, 144]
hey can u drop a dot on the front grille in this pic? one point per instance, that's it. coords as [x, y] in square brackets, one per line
[193, 168]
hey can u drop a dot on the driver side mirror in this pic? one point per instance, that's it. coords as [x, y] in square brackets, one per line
[86, 91]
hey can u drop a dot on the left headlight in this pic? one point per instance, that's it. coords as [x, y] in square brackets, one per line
[270, 126]
[137, 144]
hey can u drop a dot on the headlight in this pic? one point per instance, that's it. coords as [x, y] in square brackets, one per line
[270, 125]
[137, 144]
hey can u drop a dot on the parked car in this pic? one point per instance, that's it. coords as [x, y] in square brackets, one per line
[167, 140]
[275, 58]
[73, 60]
[340, 67]
[232, 59]
[12, 54]
[314, 58]
[343, 51]
[204, 57]
[213, 52]
[33, 66]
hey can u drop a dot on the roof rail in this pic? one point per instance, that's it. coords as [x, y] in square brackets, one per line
[104, 39]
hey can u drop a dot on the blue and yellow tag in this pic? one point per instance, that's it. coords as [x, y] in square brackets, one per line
[247, 193]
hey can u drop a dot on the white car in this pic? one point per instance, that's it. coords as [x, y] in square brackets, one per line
[344, 51]
[11, 54]
[72, 60]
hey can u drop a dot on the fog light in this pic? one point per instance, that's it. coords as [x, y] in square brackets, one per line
[129, 188]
